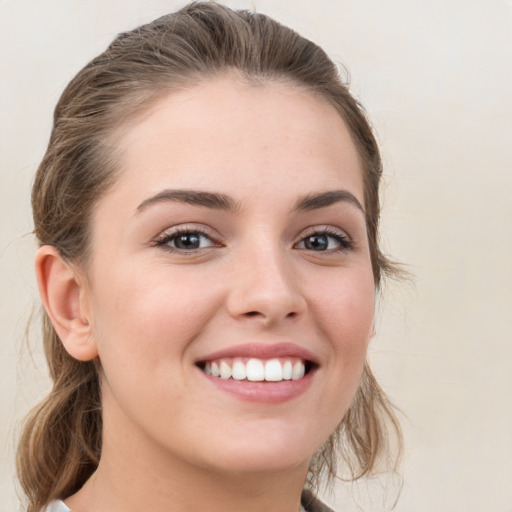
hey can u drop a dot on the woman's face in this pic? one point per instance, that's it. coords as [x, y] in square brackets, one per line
[234, 241]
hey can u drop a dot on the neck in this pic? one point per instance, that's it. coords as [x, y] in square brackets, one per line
[106, 491]
[131, 480]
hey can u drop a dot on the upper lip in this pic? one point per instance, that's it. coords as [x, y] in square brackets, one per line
[262, 351]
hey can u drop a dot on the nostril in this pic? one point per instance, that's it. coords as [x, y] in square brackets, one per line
[291, 314]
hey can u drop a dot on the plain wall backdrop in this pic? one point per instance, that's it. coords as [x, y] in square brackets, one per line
[436, 79]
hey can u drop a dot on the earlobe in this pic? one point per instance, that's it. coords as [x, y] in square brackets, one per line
[63, 293]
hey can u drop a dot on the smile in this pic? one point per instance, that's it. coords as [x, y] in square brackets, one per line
[260, 372]
[256, 370]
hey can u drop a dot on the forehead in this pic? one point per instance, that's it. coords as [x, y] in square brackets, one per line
[227, 133]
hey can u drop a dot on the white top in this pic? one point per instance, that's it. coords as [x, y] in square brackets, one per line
[57, 506]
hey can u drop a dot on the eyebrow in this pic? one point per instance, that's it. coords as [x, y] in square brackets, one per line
[212, 200]
[219, 201]
[324, 199]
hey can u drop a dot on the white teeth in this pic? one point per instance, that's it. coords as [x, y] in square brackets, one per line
[255, 370]
[215, 370]
[287, 370]
[298, 370]
[225, 370]
[273, 370]
[239, 372]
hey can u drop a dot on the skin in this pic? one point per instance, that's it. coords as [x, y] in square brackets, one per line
[149, 313]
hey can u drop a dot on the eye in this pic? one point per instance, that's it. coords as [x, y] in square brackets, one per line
[325, 240]
[185, 240]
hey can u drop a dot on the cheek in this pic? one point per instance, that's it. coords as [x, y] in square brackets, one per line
[345, 315]
[144, 328]
[148, 314]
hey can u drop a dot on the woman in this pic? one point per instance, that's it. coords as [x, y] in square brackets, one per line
[207, 214]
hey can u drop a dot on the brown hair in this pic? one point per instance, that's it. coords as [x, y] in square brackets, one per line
[61, 442]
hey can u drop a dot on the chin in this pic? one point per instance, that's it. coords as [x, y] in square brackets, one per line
[262, 463]
[270, 453]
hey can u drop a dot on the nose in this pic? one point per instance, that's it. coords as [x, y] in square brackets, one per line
[264, 287]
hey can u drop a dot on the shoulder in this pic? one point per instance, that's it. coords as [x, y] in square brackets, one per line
[313, 504]
[57, 506]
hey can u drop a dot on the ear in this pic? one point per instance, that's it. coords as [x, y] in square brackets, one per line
[63, 293]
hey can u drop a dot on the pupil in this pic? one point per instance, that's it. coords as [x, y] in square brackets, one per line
[187, 241]
[316, 242]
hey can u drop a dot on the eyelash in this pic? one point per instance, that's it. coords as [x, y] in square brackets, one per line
[345, 244]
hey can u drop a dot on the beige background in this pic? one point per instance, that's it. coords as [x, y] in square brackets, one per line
[436, 77]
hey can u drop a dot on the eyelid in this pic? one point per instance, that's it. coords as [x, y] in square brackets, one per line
[324, 229]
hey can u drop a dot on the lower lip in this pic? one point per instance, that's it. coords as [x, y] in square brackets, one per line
[263, 392]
